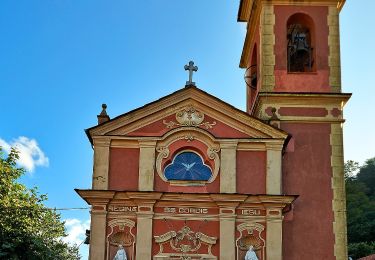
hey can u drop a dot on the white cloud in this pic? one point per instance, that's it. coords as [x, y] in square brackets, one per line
[76, 230]
[29, 151]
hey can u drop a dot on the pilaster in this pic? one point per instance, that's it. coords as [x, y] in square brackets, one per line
[338, 186]
[144, 232]
[227, 231]
[274, 173]
[146, 165]
[334, 49]
[98, 232]
[267, 42]
[101, 163]
[274, 235]
[228, 166]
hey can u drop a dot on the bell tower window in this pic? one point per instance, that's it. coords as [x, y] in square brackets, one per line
[300, 43]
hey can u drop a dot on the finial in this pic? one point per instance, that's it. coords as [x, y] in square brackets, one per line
[191, 68]
[103, 117]
[104, 112]
[274, 120]
[274, 116]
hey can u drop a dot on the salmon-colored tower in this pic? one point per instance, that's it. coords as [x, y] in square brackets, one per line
[292, 59]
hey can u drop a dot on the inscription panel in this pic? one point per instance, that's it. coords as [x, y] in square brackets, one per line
[121, 208]
[186, 210]
[251, 212]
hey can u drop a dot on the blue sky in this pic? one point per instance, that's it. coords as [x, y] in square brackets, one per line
[61, 59]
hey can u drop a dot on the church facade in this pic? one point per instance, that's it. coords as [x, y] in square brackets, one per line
[191, 177]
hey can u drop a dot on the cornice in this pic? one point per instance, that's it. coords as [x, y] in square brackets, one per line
[96, 196]
[106, 196]
[290, 99]
[168, 105]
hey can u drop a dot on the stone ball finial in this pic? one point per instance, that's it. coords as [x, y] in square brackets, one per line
[103, 117]
[274, 116]
[104, 112]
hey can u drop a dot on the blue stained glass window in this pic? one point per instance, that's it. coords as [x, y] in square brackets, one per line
[188, 166]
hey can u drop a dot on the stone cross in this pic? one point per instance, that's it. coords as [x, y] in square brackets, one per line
[191, 68]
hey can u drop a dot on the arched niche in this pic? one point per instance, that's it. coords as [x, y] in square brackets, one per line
[250, 234]
[300, 43]
[121, 232]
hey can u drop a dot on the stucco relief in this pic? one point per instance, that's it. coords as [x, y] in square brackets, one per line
[189, 116]
[121, 233]
[184, 244]
[188, 134]
[250, 235]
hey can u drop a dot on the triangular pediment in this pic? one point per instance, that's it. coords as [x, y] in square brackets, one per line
[216, 116]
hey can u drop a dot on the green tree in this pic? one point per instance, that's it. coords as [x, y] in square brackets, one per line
[350, 169]
[28, 229]
[360, 201]
[366, 175]
[358, 250]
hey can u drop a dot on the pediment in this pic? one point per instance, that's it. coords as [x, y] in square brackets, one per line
[188, 107]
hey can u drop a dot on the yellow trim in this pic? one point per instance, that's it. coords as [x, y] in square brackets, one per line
[267, 45]
[334, 49]
[338, 187]
[228, 166]
[277, 100]
[274, 174]
[101, 163]
[146, 165]
[98, 235]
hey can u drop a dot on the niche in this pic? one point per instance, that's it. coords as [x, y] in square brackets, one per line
[300, 47]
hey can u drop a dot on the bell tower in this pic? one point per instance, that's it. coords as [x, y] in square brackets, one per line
[291, 55]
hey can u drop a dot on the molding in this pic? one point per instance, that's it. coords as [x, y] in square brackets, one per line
[104, 197]
[228, 144]
[327, 101]
[275, 146]
[185, 133]
[124, 143]
[242, 146]
[171, 104]
[101, 141]
[147, 143]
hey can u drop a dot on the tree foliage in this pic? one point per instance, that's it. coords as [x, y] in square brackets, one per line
[360, 201]
[28, 229]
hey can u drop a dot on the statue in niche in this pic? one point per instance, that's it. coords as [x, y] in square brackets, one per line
[250, 254]
[121, 254]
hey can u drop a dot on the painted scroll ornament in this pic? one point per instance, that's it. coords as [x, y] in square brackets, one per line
[189, 116]
[185, 243]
